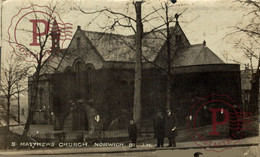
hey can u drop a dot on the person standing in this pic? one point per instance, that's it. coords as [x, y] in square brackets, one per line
[159, 130]
[132, 132]
[171, 127]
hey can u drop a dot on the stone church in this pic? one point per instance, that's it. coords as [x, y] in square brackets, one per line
[92, 86]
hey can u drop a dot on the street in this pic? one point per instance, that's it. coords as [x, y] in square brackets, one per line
[232, 152]
[246, 148]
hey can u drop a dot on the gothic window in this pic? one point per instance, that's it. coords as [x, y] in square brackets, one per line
[41, 105]
[78, 43]
[89, 72]
[79, 80]
[178, 39]
[68, 75]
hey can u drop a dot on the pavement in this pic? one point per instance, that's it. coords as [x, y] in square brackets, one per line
[141, 148]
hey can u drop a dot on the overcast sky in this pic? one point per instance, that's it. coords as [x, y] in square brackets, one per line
[209, 20]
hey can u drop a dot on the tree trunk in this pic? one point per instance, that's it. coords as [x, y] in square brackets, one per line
[7, 123]
[18, 106]
[32, 105]
[8, 115]
[138, 67]
[168, 94]
[168, 47]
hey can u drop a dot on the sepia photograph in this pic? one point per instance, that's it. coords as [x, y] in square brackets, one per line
[135, 78]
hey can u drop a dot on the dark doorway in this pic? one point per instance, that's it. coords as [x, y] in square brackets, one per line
[80, 120]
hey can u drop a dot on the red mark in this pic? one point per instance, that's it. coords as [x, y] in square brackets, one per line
[35, 31]
[214, 119]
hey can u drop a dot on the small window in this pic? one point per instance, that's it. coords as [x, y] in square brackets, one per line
[178, 39]
[78, 43]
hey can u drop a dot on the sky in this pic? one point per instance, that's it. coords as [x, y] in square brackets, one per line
[209, 20]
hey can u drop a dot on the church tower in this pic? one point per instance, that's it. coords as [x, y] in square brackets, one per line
[55, 36]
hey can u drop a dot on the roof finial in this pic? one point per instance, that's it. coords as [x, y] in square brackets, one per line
[204, 43]
[177, 17]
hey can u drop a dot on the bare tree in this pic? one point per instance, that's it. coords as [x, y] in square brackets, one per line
[13, 73]
[125, 21]
[47, 27]
[249, 50]
[162, 18]
[251, 46]
[252, 29]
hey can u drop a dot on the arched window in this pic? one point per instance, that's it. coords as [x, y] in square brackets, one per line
[89, 81]
[68, 75]
[79, 79]
[178, 39]
[41, 103]
[78, 43]
[89, 73]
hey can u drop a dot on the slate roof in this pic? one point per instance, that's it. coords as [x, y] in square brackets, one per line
[120, 48]
[113, 47]
[53, 62]
[196, 55]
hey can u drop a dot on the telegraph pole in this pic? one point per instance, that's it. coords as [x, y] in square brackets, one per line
[138, 66]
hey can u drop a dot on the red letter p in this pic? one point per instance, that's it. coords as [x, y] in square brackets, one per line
[214, 120]
[35, 30]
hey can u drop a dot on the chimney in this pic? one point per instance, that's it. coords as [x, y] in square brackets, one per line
[204, 43]
[79, 27]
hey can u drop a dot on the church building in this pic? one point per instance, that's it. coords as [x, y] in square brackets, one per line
[91, 88]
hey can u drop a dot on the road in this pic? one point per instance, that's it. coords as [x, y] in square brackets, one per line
[245, 151]
[232, 152]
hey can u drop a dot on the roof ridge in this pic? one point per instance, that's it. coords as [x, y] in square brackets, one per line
[197, 45]
[105, 33]
[131, 35]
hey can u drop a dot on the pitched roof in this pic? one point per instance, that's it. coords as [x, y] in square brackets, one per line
[53, 62]
[120, 48]
[196, 55]
[113, 47]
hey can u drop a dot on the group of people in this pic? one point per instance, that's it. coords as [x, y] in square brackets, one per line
[164, 126]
